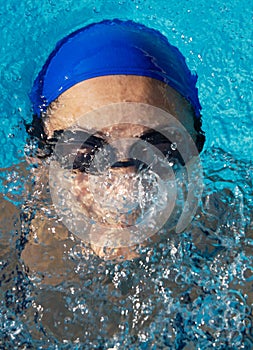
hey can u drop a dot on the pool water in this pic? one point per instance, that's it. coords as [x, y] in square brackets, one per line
[191, 291]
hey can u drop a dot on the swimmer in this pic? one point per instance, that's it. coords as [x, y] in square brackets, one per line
[88, 85]
[103, 68]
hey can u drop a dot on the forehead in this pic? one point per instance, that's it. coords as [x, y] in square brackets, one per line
[127, 120]
[123, 130]
[75, 105]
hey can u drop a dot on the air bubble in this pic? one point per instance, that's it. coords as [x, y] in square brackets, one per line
[173, 146]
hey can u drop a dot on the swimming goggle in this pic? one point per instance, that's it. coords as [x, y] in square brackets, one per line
[78, 155]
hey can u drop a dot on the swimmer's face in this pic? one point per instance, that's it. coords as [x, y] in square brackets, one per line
[119, 182]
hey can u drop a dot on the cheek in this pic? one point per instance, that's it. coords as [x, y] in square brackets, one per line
[81, 190]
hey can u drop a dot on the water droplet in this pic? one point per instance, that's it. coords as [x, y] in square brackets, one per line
[200, 57]
[95, 10]
[173, 146]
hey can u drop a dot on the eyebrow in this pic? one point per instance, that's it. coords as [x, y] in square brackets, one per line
[100, 135]
[154, 134]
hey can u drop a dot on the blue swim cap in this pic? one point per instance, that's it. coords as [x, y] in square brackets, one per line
[113, 47]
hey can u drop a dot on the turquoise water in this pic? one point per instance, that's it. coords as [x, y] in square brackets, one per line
[206, 302]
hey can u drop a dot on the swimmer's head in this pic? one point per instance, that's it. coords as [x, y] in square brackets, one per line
[102, 89]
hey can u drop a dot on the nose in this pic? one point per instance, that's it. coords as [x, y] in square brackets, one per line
[123, 147]
[124, 159]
